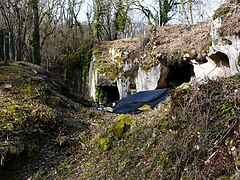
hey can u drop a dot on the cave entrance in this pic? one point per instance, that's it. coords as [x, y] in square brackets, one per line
[110, 94]
[220, 59]
[179, 74]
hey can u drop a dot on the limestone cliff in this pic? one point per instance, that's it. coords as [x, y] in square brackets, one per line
[167, 57]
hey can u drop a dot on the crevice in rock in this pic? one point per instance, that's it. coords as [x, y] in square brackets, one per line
[133, 86]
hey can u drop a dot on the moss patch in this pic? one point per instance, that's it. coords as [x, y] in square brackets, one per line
[121, 126]
[109, 67]
[96, 53]
[172, 59]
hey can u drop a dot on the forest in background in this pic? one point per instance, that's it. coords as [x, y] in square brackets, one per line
[56, 35]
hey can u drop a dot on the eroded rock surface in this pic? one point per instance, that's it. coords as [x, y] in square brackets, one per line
[169, 56]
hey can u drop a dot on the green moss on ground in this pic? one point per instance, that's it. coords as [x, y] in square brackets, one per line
[194, 134]
[121, 126]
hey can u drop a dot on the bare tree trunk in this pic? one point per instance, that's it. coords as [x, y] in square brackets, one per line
[184, 11]
[36, 34]
[4, 47]
[11, 48]
[18, 56]
[178, 13]
[190, 11]
[159, 12]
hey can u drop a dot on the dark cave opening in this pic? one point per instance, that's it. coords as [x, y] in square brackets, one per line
[179, 74]
[110, 94]
[220, 59]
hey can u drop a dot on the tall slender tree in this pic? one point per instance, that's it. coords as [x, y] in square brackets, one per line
[36, 34]
[188, 14]
[98, 16]
[121, 19]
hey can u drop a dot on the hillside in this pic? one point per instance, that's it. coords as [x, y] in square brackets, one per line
[42, 126]
[46, 135]
[193, 135]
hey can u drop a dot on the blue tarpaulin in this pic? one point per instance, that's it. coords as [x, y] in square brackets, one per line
[131, 103]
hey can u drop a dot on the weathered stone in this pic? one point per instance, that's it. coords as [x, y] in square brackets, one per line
[209, 70]
[147, 80]
[220, 45]
[123, 85]
[7, 87]
[222, 60]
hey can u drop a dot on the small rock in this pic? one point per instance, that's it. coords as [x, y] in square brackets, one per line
[7, 87]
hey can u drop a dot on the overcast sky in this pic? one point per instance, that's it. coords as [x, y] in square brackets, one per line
[207, 10]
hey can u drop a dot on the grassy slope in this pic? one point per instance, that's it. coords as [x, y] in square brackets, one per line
[195, 134]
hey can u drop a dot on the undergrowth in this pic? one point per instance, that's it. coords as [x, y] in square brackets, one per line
[193, 135]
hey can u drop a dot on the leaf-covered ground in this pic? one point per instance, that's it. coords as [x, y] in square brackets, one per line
[45, 134]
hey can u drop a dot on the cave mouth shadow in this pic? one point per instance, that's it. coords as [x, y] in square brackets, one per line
[179, 74]
[110, 94]
[220, 59]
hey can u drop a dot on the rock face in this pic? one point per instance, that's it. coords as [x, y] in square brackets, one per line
[229, 45]
[128, 74]
[92, 81]
[147, 80]
[209, 70]
[123, 85]
[167, 57]
[223, 59]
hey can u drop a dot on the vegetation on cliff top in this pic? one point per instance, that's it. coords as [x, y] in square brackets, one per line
[230, 19]
[167, 44]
